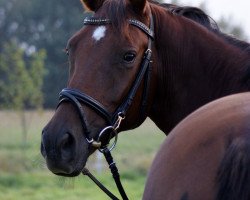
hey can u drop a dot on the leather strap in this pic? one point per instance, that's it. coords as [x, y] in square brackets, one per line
[86, 172]
[77, 97]
[134, 22]
[88, 100]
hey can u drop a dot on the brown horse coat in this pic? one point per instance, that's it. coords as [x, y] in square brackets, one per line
[191, 65]
[207, 156]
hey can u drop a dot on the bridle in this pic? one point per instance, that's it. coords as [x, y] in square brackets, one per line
[77, 98]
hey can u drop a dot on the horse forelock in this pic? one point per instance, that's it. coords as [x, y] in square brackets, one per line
[120, 12]
[116, 12]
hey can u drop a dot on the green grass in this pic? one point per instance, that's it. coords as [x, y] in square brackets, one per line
[24, 176]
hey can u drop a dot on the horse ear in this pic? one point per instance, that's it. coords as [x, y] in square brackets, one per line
[138, 5]
[92, 5]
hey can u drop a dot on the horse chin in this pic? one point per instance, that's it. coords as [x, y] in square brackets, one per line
[73, 174]
[71, 170]
[67, 169]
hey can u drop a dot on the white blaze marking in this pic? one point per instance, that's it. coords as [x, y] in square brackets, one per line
[99, 33]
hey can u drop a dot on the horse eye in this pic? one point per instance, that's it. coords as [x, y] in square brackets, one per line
[129, 57]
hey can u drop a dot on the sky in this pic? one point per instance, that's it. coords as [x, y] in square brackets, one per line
[238, 11]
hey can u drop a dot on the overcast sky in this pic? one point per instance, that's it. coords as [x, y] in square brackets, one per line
[236, 11]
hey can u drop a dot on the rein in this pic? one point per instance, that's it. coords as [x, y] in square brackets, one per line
[77, 98]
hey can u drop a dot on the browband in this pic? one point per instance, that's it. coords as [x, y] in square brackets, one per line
[134, 22]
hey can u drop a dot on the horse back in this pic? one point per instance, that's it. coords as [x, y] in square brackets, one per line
[206, 156]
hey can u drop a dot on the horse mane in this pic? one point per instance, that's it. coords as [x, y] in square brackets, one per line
[233, 176]
[116, 12]
[193, 13]
[199, 16]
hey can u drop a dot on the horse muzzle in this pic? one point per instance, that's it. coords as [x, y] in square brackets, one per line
[61, 152]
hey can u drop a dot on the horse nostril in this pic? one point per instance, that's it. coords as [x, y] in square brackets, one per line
[43, 151]
[67, 145]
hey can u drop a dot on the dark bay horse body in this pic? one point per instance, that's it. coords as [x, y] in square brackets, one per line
[191, 66]
[206, 156]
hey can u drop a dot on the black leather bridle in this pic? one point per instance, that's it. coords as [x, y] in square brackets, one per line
[77, 98]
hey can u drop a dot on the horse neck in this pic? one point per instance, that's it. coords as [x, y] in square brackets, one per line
[194, 67]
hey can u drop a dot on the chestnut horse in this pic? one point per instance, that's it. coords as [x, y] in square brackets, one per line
[206, 156]
[112, 76]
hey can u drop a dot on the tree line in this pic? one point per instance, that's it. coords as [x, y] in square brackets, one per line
[36, 31]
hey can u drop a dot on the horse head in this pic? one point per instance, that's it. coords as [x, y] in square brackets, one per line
[108, 62]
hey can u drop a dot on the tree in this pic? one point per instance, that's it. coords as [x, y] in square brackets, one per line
[21, 80]
[39, 24]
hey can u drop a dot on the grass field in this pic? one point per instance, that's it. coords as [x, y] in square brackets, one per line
[24, 176]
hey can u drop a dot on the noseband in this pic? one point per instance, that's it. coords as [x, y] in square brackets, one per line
[77, 98]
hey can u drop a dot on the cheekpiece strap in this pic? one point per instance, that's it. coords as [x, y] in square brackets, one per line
[134, 22]
[142, 26]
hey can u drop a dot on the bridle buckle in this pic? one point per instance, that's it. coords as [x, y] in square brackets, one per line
[106, 146]
[120, 117]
